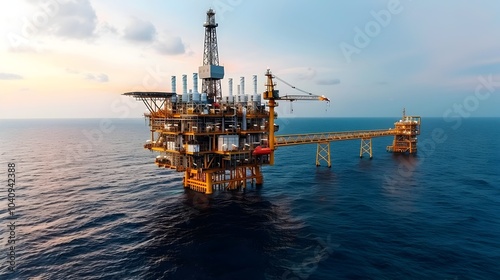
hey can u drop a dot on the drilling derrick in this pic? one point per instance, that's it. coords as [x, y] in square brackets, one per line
[211, 72]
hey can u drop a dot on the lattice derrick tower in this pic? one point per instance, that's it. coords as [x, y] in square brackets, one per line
[211, 72]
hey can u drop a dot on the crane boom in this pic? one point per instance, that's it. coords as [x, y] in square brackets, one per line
[294, 97]
[304, 97]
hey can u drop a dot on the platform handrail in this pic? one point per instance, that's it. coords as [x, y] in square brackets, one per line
[311, 138]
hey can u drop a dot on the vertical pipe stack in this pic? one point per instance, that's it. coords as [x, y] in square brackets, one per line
[184, 84]
[174, 84]
[195, 82]
[255, 84]
[242, 85]
[185, 95]
[230, 86]
[174, 89]
[196, 95]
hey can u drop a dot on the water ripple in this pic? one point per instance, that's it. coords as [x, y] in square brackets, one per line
[110, 213]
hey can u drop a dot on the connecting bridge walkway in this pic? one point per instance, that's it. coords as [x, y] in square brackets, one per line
[323, 140]
[311, 138]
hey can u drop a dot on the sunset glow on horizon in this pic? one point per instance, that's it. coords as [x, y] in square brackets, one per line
[74, 58]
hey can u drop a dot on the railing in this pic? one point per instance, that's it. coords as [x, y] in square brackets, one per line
[297, 139]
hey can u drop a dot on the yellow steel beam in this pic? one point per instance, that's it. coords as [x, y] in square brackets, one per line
[270, 94]
[311, 138]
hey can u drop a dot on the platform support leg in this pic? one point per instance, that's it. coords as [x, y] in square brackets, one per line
[186, 179]
[259, 178]
[323, 154]
[366, 147]
[208, 180]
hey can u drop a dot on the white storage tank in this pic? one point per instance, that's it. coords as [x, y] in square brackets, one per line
[228, 142]
[196, 97]
[242, 98]
[257, 98]
[188, 97]
[191, 148]
[171, 145]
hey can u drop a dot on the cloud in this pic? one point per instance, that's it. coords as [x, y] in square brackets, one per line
[72, 71]
[10, 76]
[73, 19]
[170, 46]
[24, 90]
[101, 78]
[140, 30]
[479, 68]
[326, 82]
[300, 73]
[106, 27]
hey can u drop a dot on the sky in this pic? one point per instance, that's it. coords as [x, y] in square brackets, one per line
[74, 58]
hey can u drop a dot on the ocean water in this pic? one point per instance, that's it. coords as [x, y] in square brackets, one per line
[91, 204]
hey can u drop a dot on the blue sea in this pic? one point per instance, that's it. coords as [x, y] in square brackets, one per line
[91, 204]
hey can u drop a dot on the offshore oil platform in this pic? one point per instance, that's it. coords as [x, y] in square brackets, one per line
[222, 142]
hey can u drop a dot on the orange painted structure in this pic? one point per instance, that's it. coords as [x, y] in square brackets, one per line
[222, 142]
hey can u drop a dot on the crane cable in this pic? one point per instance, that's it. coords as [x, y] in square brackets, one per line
[291, 103]
[288, 84]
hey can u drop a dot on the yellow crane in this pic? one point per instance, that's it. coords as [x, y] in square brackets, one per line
[272, 95]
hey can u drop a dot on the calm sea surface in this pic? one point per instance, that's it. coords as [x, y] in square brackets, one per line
[91, 204]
